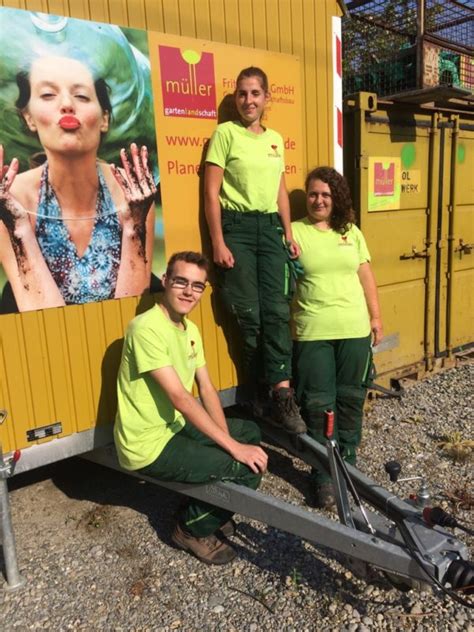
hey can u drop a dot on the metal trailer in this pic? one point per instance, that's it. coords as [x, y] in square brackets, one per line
[398, 538]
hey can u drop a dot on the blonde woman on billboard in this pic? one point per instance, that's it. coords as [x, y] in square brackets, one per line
[248, 213]
[74, 229]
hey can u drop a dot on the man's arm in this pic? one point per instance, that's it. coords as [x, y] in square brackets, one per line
[252, 456]
[210, 399]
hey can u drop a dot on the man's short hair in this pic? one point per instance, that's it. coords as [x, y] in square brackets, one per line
[188, 256]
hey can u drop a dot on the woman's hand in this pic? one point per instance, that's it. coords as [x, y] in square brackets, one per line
[12, 213]
[293, 248]
[223, 256]
[137, 184]
[377, 330]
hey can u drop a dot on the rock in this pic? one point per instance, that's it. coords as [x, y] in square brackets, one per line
[215, 600]
[218, 609]
[96, 551]
[416, 608]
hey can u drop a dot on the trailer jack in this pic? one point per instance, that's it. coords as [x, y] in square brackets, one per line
[13, 578]
[394, 538]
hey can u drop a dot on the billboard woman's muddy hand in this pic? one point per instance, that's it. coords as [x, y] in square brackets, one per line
[12, 213]
[137, 183]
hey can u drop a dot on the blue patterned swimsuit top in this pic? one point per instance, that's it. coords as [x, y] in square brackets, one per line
[92, 277]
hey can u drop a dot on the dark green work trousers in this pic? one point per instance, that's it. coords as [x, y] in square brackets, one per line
[332, 375]
[256, 290]
[191, 457]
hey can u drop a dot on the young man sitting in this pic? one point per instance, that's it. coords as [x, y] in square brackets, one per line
[162, 431]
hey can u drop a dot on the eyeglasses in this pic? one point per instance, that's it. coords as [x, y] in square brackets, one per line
[181, 283]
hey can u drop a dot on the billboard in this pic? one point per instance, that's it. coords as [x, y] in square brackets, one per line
[193, 82]
[103, 133]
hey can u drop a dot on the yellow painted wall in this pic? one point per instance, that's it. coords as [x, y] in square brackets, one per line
[58, 364]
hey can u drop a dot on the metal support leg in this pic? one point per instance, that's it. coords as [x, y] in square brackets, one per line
[14, 579]
[340, 487]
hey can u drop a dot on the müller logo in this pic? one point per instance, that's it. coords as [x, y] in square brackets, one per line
[193, 353]
[384, 179]
[187, 83]
[344, 241]
[274, 153]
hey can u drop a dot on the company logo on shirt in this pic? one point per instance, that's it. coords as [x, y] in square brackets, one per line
[274, 153]
[188, 83]
[344, 241]
[193, 354]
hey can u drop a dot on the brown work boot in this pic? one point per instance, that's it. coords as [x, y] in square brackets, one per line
[285, 412]
[209, 550]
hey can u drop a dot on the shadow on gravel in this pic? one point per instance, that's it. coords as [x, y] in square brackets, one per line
[281, 464]
[34, 476]
[269, 549]
[82, 480]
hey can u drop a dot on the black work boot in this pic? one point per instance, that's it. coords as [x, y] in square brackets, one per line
[255, 400]
[324, 496]
[285, 412]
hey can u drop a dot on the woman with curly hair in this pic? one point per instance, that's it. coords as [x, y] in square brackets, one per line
[336, 317]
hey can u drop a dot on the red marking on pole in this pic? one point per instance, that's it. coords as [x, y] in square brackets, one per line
[329, 424]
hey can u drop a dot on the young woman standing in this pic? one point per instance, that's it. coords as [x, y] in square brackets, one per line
[248, 214]
[336, 316]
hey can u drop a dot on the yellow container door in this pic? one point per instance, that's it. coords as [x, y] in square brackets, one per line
[454, 321]
[396, 194]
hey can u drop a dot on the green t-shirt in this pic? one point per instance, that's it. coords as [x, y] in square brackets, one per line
[146, 420]
[329, 302]
[252, 164]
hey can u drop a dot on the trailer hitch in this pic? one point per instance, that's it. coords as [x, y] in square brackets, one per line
[438, 558]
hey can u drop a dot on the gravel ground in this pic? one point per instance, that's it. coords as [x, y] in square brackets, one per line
[94, 545]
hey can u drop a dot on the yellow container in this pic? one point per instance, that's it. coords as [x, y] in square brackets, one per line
[58, 366]
[411, 170]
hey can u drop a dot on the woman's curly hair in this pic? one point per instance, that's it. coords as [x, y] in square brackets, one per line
[342, 215]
